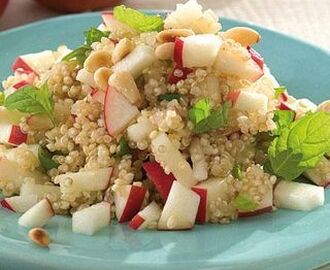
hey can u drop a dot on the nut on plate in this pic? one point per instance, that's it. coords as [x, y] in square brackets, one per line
[39, 236]
[244, 35]
[97, 60]
[165, 51]
[169, 35]
[123, 48]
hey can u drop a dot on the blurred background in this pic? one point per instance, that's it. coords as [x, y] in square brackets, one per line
[306, 19]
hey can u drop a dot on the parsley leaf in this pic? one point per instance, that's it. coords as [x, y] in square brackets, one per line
[94, 35]
[300, 146]
[123, 147]
[32, 100]
[138, 20]
[204, 119]
[169, 96]
[244, 203]
[279, 91]
[45, 159]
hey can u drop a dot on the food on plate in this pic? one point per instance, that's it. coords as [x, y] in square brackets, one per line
[160, 122]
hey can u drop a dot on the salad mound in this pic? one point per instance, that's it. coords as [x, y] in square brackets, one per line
[160, 122]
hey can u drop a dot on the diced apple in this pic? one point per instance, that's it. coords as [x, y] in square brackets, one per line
[12, 134]
[150, 214]
[87, 180]
[86, 77]
[138, 60]
[265, 206]
[199, 164]
[162, 181]
[98, 95]
[201, 217]
[298, 196]
[251, 102]
[196, 50]
[11, 117]
[170, 157]
[19, 64]
[38, 215]
[178, 73]
[91, 219]
[118, 112]
[320, 175]
[180, 209]
[20, 84]
[128, 201]
[19, 204]
[39, 190]
[35, 62]
[233, 96]
[256, 57]
[140, 130]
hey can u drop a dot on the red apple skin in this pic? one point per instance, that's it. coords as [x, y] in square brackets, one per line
[133, 204]
[17, 137]
[3, 5]
[19, 63]
[233, 96]
[178, 51]
[162, 181]
[256, 57]
[20, 84]
[6, 205]
[256, 212]
[136, 222]
[202, 208]
[69, 6]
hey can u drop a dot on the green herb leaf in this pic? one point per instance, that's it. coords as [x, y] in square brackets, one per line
[300, 146]
[237, 171]
[204, 120]
[80, 54]
[242, 202]
[2, 98]
[138, 20]
[45, 159]
[32, 100]
[169, 96]
[123, 147]
[282, 119]
[279, 91]
[94, 35]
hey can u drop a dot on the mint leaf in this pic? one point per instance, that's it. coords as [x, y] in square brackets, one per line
[123, 147]
[138, 20]
[169, 96]
[300, 146]
[204, 119]
[279, 91]
[94, 35]
[32, 100]
[237, 171]
[80, 54]
[242, 202]
[282, 119]
[45, 159]
[2, 98]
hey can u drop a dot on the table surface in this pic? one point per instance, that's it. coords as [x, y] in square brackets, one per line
[306, 19]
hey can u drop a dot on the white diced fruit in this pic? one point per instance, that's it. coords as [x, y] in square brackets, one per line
[38, 215]
[298, 196]
[251, 102]
[140, 130]
[12, 134]
[198, 160]
[149, 215]
[180, 209]
[170, 157]
[86, 77]
[19, 204]
[90, 220]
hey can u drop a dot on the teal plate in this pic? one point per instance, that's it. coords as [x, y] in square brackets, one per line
[281, 240]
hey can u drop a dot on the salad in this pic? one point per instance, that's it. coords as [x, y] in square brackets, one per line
[161, 122]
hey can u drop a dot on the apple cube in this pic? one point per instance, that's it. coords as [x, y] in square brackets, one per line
[201, 217]
[138, 60]
[38, 215]
[87, 180]
[180, 209]
[199, 164]
[196, 50]
[251, 102]
[128, 201]
[91, 219]
[298, 196]
[162, 181]
[265, 206]
[320, 175]
[140, 130]
[149, 215]
[12, 134]
[256, 57]
[19, 204]
[40, 191]
[169, 156]
[118, 112]
[86, 77]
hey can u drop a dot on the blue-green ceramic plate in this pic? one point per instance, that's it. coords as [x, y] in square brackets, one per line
[281, 240]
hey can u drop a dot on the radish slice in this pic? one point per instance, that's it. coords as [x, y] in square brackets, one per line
[150, 214]
[19, 204]
[298, 196]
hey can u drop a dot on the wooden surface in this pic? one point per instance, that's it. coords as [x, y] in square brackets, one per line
[306, 19]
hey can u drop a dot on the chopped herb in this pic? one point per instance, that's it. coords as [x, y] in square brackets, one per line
[282, 119]
[94, 35]
[32, 100]
[237, 171]
[279, 91]
[138, 20]
[45, 159]
[169, 96]
[123, 147]
[242, 202]
[204, 119]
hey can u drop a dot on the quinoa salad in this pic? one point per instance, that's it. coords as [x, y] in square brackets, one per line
[161, 122]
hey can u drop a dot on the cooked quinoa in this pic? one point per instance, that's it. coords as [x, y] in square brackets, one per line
[163, 92]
